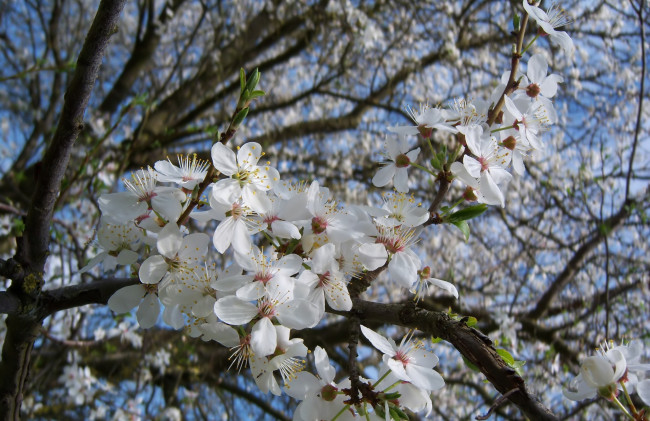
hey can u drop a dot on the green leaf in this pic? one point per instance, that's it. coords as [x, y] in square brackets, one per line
[435, 163]
[256, 94]
[239, 118]
[518, 366]
[19, 226]
[253, 80]
[463, 226]
[516, 20]
[467, 213]
[506, 356]
[435, 340]
[401, 415]
[471, 321]
[242, 80]
[392, 396]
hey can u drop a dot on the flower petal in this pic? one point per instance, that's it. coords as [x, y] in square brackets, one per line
[263, 338]
[384, 175]
[224, 159]
[148, 311]
[153, 269]
[234, 311]
[124, 299]
[385, 345]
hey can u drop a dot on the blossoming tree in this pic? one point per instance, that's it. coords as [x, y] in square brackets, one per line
[228, 211]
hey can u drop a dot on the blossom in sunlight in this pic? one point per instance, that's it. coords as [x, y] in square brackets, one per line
[179, 255]
[530, 123]
[120, 243]
[541, 86]
[177, 261]
[287, 360]
[395, 242]
[598, 375]
[262, 270]
[400, 209]
[554, 17]
[247, 181]
[409, 361]
[486, 170]
[236, 227]
[426, 120]
[327, 219]
[143, 295]
[422, 286]
[319, 394]
[399, 158]
[188, 174]
[326, 281]
[142, 194]
[279, 303]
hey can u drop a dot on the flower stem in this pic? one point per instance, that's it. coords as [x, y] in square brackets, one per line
[380, 379]
[338, 414]
[627, 397]
[433, 152]
[530, 44]
[392, 385]
[268, 237]
[501, 129]
[622, 408]
[422, 168]
[462, 199]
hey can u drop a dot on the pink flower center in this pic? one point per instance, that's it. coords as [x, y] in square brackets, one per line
[324, 279]
[402, 357]
[236, 211]
[147, 196]
[484, 164]
[263, 277]
[266, 309]
[393, 245]
[270, 219]
[318, 224]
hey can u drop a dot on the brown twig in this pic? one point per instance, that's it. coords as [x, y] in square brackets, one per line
[500, 400]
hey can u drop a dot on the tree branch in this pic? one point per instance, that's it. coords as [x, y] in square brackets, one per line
[24, 327]
[472, 344]
[597, 236]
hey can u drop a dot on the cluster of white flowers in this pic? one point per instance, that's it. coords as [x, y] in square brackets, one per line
[490, 149]
[612, 370]
[316, 246]
[78, 382]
